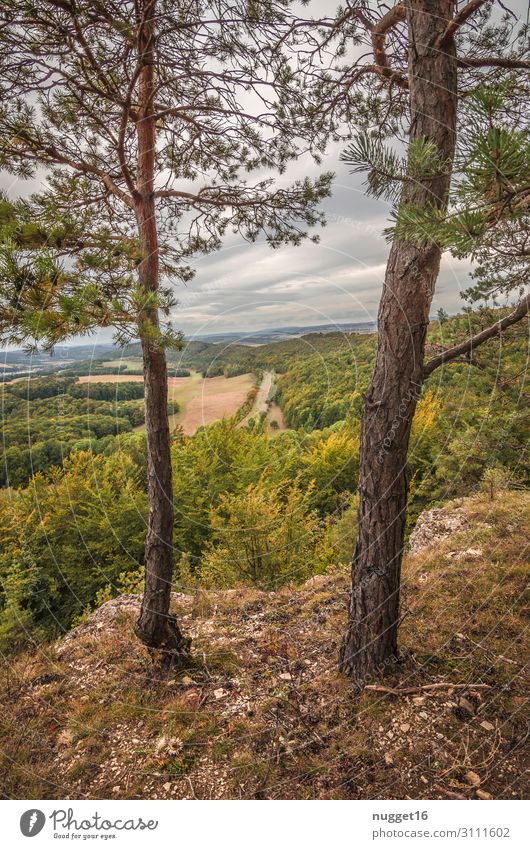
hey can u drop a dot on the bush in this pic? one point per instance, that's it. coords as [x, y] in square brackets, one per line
[263, 537]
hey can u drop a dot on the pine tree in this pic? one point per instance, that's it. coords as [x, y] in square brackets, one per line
[428, 63]
[144, 117]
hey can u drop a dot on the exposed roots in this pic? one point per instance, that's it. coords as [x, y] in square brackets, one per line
[169, 650]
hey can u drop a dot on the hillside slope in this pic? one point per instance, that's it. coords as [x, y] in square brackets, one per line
[264, 713]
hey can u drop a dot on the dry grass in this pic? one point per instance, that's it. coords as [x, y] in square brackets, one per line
[263, 713]
[212, 399]
[201, 401]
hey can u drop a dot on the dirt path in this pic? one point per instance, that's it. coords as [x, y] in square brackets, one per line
[276, 415]
[261, 404]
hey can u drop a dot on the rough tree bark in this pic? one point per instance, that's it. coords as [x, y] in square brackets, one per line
[371, 638]
[156, 627]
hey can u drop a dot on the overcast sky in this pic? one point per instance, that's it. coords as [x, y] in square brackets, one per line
[337, 280]
[249, 286]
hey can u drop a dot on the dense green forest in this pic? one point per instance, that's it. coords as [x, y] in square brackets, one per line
[48, 418]
[214, 358]
[472, 414]
[249, 509]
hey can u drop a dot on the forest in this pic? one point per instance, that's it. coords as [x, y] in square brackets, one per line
[84, 515]
[46, 419]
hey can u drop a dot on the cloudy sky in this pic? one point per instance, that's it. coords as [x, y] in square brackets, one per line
[339, 279]
[250, 287]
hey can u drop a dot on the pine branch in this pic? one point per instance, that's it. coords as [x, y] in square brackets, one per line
[467, 347]
[459, 19]
[379, 33]
[493, 62]
[49, 154]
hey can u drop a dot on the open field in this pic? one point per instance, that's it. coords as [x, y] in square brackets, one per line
[201, 401]
[34, 375]
[131, 363]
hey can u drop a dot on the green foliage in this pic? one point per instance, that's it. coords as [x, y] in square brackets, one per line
[82, 131]
[74, 538]
[495, 479]
[338, 543]
[488, 216]
[65, 538]
[126, 391]
[43, 387]
[322, 388]
[249, 509]
[469, 415]
[45, 419]
[129, 581]
[43, 300]
[263, 537]
[330, 465]
[386, 170]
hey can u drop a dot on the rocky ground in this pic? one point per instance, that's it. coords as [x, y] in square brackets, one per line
[263, 712]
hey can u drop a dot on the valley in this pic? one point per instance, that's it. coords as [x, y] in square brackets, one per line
[200, 401]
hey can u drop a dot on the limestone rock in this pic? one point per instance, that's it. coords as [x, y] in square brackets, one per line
[436, 525]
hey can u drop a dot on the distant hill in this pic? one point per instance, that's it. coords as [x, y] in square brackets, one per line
[240, 356]
[18, 363]
[76, 353]
[61, 352]
[231, 355]
[278, 334]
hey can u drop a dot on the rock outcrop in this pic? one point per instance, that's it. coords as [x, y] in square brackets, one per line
[436, 525]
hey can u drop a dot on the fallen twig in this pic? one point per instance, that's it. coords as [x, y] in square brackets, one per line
[406, 691]
[449, 793]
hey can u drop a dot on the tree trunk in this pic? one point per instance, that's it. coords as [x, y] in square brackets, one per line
[370, 643]
[156, 627]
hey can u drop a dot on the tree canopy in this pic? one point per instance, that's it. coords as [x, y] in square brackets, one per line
[70, 99]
